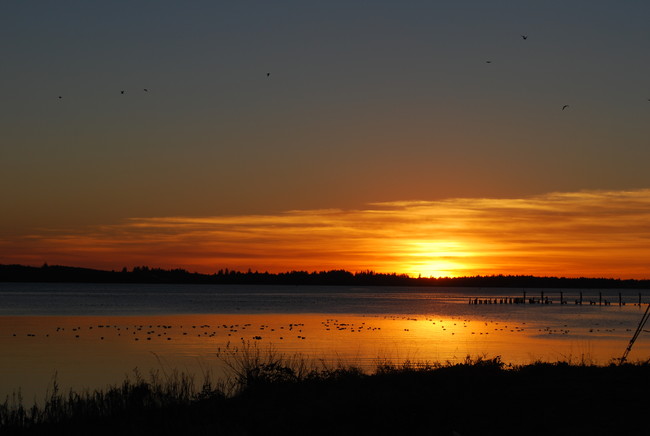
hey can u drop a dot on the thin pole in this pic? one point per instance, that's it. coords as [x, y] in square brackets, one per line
[644, 318]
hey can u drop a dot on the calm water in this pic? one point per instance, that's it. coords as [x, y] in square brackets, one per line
[91, 335]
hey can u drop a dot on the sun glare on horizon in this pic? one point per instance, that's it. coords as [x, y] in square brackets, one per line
[562, 234]
[435, 259]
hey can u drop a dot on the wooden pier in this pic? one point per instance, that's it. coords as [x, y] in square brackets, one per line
[557, 298]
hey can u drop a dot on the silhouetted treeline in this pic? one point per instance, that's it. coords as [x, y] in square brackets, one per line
[145, 274]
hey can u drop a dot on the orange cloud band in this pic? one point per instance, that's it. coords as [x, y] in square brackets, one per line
[590, 233]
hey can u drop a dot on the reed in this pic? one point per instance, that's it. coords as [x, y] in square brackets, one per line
[267, 392]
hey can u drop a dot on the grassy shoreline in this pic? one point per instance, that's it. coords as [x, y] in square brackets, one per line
[269, 393]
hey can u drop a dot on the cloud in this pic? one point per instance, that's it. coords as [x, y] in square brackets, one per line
[587, 233]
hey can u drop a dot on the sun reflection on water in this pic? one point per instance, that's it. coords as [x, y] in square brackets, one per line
[90, 352]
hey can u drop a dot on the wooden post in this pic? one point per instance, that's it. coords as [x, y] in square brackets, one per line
[639, 299]
[542, 299]
[581, 298]
[620, 299]
[600, 298]
[561, 297]
[525, 298]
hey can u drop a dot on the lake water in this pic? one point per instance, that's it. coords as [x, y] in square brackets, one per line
[91, 335]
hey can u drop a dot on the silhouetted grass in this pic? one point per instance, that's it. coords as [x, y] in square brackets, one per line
[268, 393]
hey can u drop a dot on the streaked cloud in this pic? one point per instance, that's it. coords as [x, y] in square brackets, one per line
[590, 233]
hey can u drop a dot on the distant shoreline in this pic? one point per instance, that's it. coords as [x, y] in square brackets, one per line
[144, 274]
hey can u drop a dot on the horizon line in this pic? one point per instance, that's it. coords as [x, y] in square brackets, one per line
[371, 272]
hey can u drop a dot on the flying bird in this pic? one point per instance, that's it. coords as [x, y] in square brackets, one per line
[146, 90]
[524, 36]
[121, 92]
[268, 74]
[565, 106]
[60, 96]
[488, 62]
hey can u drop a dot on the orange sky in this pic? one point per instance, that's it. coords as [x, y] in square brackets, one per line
[587, 233]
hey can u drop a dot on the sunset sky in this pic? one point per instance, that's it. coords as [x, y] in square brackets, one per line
[382, 138]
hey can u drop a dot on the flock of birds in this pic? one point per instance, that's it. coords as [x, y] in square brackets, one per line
[268, 74]
[123, 91]
[164, 331]
[525, 37]
[247, 331]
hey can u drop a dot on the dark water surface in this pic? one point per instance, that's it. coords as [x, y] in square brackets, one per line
[42, 299]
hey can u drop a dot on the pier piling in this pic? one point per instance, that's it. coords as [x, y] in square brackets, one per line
[546, 299]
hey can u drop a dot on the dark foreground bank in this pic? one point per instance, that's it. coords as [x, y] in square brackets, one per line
[278, 396]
